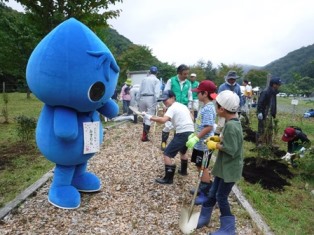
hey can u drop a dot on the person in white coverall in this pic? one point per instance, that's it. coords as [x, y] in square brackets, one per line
[147, 98]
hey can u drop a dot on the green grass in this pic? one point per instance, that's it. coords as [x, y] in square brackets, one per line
[290, 211]
[20, 163]
[303, 105]
[287, 212]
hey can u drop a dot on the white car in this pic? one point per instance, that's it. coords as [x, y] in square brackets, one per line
[282, 94]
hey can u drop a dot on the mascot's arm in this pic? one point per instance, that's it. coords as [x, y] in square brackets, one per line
[65, 123]
[110, 109]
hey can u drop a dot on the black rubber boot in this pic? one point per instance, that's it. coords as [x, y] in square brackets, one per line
[184, 167]
[147, 128]
[135, 118]
[195, 115]
[164, 138]
[145, 133]
[169, 173]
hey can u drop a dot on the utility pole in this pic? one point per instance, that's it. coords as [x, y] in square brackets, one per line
[268, 79]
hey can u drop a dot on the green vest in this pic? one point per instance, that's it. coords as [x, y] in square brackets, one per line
[195, 85]
[182, 96]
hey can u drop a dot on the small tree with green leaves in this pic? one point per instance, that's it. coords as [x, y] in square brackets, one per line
[267, 139]
[5, 110]
[26, 128]
[306, 163]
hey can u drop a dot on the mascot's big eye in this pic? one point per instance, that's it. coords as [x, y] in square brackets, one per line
[97, 91]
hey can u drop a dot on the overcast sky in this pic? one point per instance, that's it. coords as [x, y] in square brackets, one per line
[254, 32]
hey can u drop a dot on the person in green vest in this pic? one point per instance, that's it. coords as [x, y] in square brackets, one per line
[181, 87]
[194, 105]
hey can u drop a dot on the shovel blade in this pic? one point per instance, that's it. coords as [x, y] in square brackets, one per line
[135, 111]
[188, 223]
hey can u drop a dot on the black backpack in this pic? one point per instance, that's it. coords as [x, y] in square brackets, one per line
[296, 128]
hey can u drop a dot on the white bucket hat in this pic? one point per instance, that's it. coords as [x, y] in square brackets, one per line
[228, 100]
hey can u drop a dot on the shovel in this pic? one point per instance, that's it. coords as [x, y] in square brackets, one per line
[135, 110]
[188, 219]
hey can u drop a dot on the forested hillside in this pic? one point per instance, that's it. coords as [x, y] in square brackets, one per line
[298, 61]
[115, 41]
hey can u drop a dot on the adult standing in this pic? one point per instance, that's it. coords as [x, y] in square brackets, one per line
[148, 93]
[194, 105]
[246, 96]
[125, 96]
[267, 104]
[249, 94]
[231, 85]
[181, 119]
[134, 102]
[181, 87]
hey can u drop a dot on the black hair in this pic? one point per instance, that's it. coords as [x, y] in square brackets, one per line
[171, 94]
[219, 106]
[208, 94]
[181, 68]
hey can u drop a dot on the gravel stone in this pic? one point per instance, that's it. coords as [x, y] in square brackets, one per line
[130, 202]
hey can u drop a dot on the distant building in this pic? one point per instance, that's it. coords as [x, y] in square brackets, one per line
[137, 76]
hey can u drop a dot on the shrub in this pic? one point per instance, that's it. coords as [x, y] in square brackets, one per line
[4, 111]
[26, 128]
[306, 163]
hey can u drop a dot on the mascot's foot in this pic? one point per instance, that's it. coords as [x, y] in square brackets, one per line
[65, 197]
[87, 182]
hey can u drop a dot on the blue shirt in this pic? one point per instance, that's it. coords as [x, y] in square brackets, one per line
[206, 117]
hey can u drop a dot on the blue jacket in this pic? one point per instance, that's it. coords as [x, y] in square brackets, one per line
[236, 88]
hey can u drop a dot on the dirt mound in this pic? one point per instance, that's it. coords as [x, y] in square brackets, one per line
[270, 174]
[249, 134]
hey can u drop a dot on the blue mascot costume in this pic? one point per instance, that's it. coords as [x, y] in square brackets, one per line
[73, 72]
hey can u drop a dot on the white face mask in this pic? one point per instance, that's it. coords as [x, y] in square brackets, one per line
[230, 83]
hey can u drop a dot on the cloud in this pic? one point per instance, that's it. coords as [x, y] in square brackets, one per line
[225, 31]
[244, 31]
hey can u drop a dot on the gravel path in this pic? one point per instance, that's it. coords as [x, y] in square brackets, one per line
[129, 202]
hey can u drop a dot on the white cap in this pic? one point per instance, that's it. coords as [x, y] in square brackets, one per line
[228, 100]
[193, 75]
[249, 83]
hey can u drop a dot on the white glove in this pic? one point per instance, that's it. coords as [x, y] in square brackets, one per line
[260, 116]
[146, 115]
[287, 157]
[301, 152]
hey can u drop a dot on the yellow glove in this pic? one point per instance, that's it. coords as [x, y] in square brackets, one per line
[211, 145]
[215, 138]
